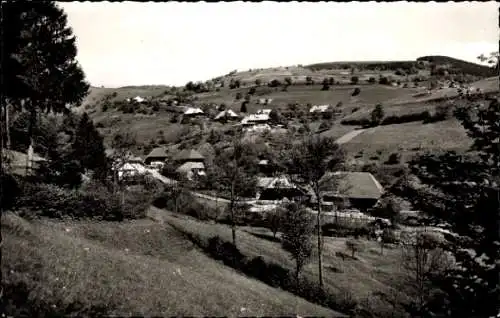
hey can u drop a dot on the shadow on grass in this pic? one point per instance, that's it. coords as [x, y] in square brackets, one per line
[271, 273]
[264, 236]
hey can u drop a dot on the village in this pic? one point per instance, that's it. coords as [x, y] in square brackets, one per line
[152, 163]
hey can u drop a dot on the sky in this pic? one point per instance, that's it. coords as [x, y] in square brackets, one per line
[132, 43]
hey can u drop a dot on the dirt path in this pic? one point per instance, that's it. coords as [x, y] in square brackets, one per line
[349, 136]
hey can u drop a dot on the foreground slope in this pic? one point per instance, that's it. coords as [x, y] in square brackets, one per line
[133, 268]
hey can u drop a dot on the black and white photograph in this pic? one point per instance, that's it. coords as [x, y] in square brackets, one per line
[250, 159]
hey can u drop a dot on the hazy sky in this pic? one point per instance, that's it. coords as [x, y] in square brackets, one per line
[171, 43]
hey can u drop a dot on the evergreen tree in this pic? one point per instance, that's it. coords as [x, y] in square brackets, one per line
[88, 147]
[39, 69]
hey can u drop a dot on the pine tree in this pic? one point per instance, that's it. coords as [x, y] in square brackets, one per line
[88, 147]
[39, 68]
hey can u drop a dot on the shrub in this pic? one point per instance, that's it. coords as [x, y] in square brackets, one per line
[92, 201]
[354, 80]
[394, 158]
[384, 81]
[238, 96]
[407, 118]
[372, 80]
[355, 109]
[356, 91]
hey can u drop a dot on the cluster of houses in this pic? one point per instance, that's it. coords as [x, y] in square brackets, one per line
[359, 190]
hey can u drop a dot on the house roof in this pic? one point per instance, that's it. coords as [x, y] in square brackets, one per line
[319, 108]
[193, 110]
[255, 118]
[133, 167]
[356, 185]
[189, 155]
[227, 112]
[274, 182]
[188, 166]
[263, 111]
[158, 152]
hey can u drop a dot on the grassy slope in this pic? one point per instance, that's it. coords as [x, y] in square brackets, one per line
[138, 267]
[364, 278]
[410, 138]
[396, 101]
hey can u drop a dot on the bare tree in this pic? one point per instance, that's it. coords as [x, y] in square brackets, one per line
[423, 256]
[235, 173]
[298, 227]
[354, 246]
[308, 164]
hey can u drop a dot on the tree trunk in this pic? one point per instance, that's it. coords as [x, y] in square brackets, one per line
[1, 194]
[297, 273]
[231, 207]
[31, 127]
[7, 130]
[319, 234]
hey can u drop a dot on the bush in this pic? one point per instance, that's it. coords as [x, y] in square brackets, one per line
[356, 91]
[394, 158]
[94, 201]
[354, 80]
[384, 81]
[372, 80]
[407, 118]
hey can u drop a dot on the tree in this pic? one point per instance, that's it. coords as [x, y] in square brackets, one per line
[297, 227]
[377, 114]
[243, 108]
[39, 69]
[88, 148]
[388, 209]
[326, 85]
[307, 164]
[354, 246]
[423, 257]
[463, 190]
[274, 219]
[235, 171]
[354, 80]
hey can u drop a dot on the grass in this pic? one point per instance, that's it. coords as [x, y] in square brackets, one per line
[133, 268]
[410, 138]
[370, 275]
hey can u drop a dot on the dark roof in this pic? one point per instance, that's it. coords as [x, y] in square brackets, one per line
[189, 155]
[157, 153]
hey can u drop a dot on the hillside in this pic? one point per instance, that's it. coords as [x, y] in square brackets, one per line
[155, 122]
[153, 268]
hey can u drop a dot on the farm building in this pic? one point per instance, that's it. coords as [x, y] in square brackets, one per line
[190, 162]
[193, 112]
[277, 188]
[359, 190]
[319, 108]
[189, 156]
[156, 157]
[226, 115]
[255, 119]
